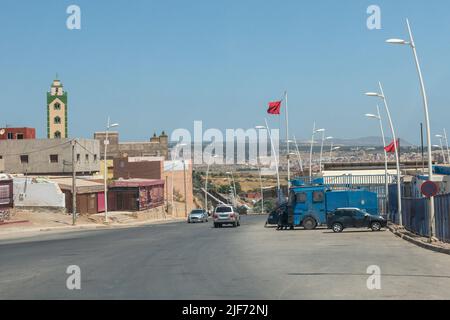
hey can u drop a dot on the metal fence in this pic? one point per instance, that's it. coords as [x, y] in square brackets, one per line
[416, 219]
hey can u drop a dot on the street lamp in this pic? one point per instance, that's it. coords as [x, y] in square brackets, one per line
[378, 118]
[311, 150]
[300, 161]
[105, 143]
[321, 149]
[440, 137]
[426, 112]
[446, 143]
[331, 151]
[266, 127]
[206, 181]
[397, 157]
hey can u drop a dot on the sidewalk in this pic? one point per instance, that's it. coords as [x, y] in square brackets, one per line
[418, 240]
[27, 223]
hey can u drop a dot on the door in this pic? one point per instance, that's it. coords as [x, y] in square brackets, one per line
[359, 219]
[100, 202]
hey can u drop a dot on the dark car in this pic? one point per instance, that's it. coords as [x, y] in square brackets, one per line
[343, 218]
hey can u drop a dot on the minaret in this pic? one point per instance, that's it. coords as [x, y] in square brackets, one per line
[57, 124]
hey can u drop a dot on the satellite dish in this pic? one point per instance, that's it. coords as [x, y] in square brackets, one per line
[2, 132]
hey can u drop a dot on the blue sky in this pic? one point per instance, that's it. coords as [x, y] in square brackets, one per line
[160, 65]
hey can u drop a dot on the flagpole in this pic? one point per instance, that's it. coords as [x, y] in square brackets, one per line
[310, 153]
[287, 141]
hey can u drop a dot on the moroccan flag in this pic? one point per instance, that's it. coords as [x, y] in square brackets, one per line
[274, 107]
[391, 148]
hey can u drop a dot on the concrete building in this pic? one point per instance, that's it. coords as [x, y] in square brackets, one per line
[90, 194]
[156, 147]
[37, 193]
[50, 156]
[57, 121]
[173, 173]
[136, 194]
[17, 133]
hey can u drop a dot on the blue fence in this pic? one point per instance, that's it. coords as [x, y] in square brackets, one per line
[415, 214]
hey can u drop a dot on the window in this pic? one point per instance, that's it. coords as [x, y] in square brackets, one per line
[95, 158]
[24, 158]
[86, 157]
[10, 135]
[57, 120]
[20, 136]
[57, 135]
[78, 157]
[53, 158]
[318, 196]
[5, 193]
[57, 106]
[301, 197]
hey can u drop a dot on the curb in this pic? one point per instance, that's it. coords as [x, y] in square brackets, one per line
[419, 243]
[68, 229]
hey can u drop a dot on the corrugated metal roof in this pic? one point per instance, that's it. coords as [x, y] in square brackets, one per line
[130, 183]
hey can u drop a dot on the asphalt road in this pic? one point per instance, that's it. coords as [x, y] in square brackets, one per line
[187, 261]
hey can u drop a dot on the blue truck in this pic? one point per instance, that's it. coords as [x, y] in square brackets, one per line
[309, 204]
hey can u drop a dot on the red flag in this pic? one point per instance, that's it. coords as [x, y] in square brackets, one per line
[391, 148]
[274, 107]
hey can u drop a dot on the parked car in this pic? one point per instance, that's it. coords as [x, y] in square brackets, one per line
[343, 218]
[198, 215]
[225, 214]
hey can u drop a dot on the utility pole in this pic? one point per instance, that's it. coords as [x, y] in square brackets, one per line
[74, 185]
[185, 195]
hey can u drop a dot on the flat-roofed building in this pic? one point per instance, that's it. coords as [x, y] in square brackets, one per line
[50, 156]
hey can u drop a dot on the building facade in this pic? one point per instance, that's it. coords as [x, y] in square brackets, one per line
[57, 122]
[50, 156]
[156, 147]
[17, 133]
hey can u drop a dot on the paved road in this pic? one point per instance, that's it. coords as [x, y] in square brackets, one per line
[185, 261]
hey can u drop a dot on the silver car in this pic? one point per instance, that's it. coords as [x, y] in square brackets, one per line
[226, 215]
[198, 215]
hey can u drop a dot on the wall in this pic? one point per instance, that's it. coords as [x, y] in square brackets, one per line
[175, 169]
[30, 192]
[156, 146]
[125, 168]
[39, 152]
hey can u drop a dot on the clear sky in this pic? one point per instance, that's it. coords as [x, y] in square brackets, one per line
[161, 64]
